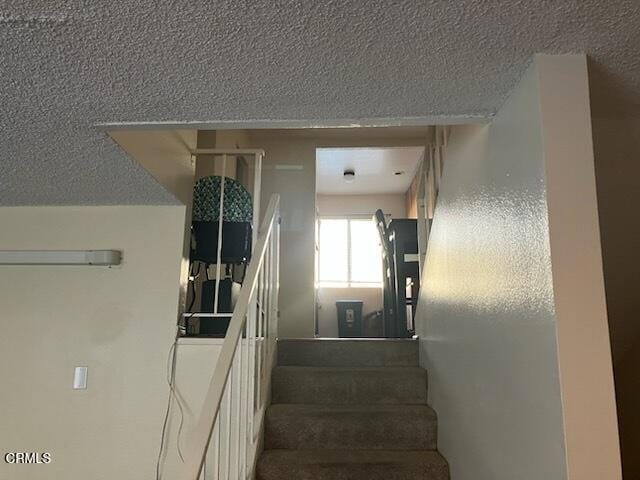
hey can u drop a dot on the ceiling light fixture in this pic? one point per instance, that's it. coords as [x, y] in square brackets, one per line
[349, 175]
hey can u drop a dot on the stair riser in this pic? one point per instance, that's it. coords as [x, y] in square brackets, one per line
[348, 353]
[292, 385]
[350, 430]
[354, 471]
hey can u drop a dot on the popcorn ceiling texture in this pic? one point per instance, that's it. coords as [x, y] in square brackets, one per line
[66, 66]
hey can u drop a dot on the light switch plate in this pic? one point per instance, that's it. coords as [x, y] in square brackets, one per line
[80, 378]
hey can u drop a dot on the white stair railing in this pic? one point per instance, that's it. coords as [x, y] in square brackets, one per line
[225, 441]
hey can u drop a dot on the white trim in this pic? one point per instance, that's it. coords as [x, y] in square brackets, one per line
[330, 284]
[226, 152]
[423, 121]
[220, 223]
[200, 341]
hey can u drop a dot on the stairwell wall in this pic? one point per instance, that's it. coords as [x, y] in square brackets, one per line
[617, 151]
[120, 322]
[511, 314]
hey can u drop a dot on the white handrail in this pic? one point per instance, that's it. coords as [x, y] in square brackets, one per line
[247, 360]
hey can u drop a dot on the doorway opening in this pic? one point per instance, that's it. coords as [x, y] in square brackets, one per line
[391, 173]
[366, 271]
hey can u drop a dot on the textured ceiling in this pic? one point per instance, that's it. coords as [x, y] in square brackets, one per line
[66, 66]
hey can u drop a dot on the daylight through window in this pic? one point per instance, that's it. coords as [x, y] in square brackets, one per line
[349, 253]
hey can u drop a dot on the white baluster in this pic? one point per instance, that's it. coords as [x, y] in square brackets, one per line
[227, 438]
[252, 362]
[245, 395]
[229, 419]
[215, 444]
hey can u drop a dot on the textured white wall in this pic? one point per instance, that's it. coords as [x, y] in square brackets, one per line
[495, 275]
[486, 306]
[119, 322]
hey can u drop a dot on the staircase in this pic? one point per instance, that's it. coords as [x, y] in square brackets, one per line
[350, 410]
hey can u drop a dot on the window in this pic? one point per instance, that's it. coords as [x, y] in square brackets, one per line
[348, 253]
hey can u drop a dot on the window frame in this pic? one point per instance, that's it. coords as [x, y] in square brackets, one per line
[349, 283]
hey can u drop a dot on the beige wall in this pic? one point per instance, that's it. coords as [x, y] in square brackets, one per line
[120, 322]
[511, 313]
[411, 196]
[617, 155]
[297, 204]
[195, 361]
[391, 204]
[165, 155]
